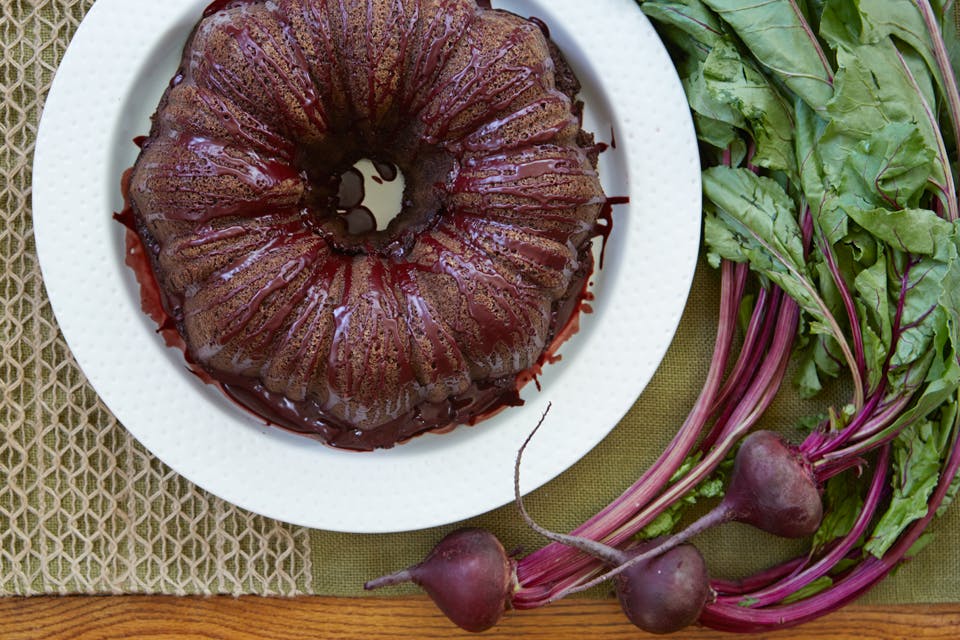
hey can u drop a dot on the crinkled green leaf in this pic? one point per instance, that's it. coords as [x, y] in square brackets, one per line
[705, 102]
[922, 315]
[736, 82]
[873, 88]
[870, 21]
[813, 180]
[890, 168]
[916, 231]
[752, 218]
[842, 501]
[916, 470]
[871, 288]
[780, 37]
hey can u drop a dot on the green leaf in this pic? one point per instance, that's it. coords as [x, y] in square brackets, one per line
[871, 289]
[871, 21]
[875, 352]
[714, 132]
[950, 29]
[922, 315]
[843, 501]
[813, 588]
[890, 168]
[950, 496]
[949, 301]
[712, 487]
[916, 231]
[751, 218]
[779, 36]
[935, 394]
[919, 545]
[760, 205]
[840, 23]
[705, 102]
[874, 88]
[813, 179]
[736, 82]
[806, 380]
[691, 17]
[916, 470]
[817, 358]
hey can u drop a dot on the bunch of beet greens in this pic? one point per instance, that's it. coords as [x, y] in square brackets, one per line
[829, 131]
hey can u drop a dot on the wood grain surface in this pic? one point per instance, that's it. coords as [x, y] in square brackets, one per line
[250, 618]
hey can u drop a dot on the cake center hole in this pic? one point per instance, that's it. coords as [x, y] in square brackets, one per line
[370, 195]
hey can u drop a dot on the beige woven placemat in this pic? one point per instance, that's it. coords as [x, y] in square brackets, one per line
[85, 509]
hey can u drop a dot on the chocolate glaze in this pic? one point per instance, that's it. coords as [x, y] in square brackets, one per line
[543, 25]
[483, 400]
[463, 130]
[604, 225]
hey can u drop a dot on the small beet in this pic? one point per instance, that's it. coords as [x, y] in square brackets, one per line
[773, 489]
[666, 593]
[467, 574]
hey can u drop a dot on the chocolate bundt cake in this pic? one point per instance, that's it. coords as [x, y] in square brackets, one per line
[367, 338]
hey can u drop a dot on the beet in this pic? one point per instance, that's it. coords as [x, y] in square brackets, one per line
[467, 574]
[773, 489]
[667, 592]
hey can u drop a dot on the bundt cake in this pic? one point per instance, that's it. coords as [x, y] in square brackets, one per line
[367, 338]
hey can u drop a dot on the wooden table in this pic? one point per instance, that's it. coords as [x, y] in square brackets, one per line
[249, 618]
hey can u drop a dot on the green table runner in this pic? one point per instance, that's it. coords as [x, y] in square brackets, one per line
[85, 509]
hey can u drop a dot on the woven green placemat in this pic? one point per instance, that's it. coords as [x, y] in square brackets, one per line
[85, 509]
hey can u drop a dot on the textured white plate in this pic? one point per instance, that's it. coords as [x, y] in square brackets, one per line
[109, 83]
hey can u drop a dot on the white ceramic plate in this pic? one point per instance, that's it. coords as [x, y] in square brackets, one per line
[109, 83]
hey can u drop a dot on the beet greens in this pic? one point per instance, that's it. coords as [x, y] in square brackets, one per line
[837, 192]
[829, 140]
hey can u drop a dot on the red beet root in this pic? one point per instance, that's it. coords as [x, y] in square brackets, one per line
[773, 489]
[666, 593]
[468, 575]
